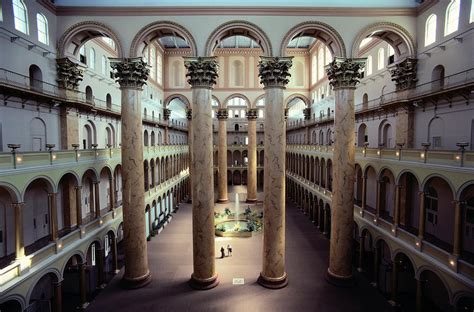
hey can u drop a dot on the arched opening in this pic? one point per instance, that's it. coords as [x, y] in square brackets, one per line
[89, 195]
[387, 195]
[38, 134]
[467, 221]
[437, 78]
[72, 296]
[436, 132]
[67, 203]
[362, 135]
[89, 95]
[365, 101]
[44, 294]
[383, 267]
[435, 296]
[7, 226]
[108, 101]
[11, 306]
[36, 78]
[371, 196]
[409, 203]
[406, 282]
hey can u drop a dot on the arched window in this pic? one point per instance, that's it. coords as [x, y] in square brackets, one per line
[238, 73]
[452, 17]
[21, 16]
[153, 63]
[159, 69]
[82, 55]
[42, 25]
[104, 65]
[91, 58]
[437, 77]
[430, 30]
[381, 59]
[108, 100]
[320, 63]
[299, 73]
[36, 78]
[365, 101]
[89, 96]
[314, 70]
[369, 65]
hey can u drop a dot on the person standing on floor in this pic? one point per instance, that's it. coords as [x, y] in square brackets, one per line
[229, 250]
[222, 252]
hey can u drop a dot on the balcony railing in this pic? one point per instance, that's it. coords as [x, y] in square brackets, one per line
[436, 157]
[21, 159]
[447, 83]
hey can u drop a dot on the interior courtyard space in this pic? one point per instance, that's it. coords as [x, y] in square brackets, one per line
[307, 249]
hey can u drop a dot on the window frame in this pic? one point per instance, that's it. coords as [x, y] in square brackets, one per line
[448, 20]
[431, 21]
[16, 4]
[42, 32]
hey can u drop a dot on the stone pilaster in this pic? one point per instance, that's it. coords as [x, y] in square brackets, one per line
[19, 242]
[273, 73]
[404, 74]
[222, 197]
[69, 73]
[131, 74]
[202, 74]
[252, 115]
[343, 75]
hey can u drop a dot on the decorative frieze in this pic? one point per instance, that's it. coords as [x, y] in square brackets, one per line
[222, 114]
[202, 71]
[274, 71]
[189, 113]
[252, 114]
[307, 113]
[130, 72]
[69, 73]
[404, 74]
[344, 72]
[166, 113]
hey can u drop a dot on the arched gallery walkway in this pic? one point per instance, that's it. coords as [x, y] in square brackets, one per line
[170, 257]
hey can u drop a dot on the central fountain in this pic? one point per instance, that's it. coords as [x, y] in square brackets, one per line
[234, 223]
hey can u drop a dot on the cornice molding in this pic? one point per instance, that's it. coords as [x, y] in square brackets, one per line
[236, 11]
[427, 4]
[48, 5]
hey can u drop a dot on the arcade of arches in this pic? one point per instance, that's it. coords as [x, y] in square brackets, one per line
[346, 150]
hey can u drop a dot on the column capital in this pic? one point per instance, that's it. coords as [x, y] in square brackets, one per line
[345, 72]
[70, 73]
[18, 205]
[273, 71]
[78, 187]
[130, 72]
[222, 114]
[202, 71]
[404, 73]
[252, 114]
[166, 113]
[189, 113]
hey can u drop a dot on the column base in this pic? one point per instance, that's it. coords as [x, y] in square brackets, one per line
[223, 201]
[203, 284]
[134, 283]
[340, 281]
[250, 200]
[273, 283]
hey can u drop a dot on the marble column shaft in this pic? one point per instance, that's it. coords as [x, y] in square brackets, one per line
[222, 195]
[79, 205]
[202, 74]
[189, 116]
[273, 72]
[132, 74]
[19, 243]
[343, 75]
[252, 156]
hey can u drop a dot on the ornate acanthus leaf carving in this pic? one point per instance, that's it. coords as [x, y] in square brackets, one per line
[404, 74]
[166, 113]
[130, 72]
[307, 113]
[274, 71]
[252, 113]
[69, 73]
[222, 114]
[202, 71]
[345, 72]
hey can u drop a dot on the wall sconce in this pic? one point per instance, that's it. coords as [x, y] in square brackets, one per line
[16, 159]
[462, 147]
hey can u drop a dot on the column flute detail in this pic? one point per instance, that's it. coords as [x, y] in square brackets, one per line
[252, 115]
[131, 74]
[202, 75]
[273, 73]
[343, 75]
[222, 197]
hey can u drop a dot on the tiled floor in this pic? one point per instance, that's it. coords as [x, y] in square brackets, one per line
[170, 257]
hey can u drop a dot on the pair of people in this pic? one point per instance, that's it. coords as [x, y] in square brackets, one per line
[229, 251]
